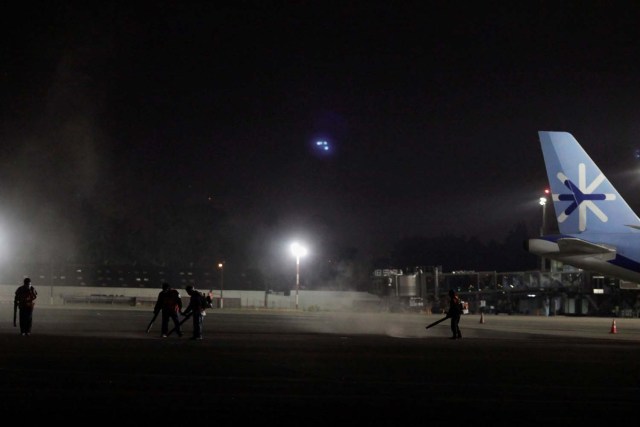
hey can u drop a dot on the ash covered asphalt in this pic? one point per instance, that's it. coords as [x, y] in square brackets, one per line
[319, 368]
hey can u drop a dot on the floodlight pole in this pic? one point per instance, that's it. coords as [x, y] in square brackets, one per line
[543, 203]
[298, 251]
[297, 278]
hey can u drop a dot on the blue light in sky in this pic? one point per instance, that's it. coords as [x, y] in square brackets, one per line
[323, 145]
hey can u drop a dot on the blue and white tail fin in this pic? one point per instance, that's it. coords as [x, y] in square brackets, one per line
[598, 230]
[584, 200]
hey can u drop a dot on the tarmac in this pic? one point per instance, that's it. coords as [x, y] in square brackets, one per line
[97, 364]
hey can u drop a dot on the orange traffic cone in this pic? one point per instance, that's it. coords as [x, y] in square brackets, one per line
[482, 317]
[614, 330]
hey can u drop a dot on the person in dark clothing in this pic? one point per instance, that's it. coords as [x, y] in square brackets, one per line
[25, 301]
[170, 303]
[196, 310]
[454, 313]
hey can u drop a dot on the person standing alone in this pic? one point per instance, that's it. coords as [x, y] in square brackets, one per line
[454, 313]
[25, 301]
[170, 303]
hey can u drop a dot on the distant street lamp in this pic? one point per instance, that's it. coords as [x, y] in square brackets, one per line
[221, 267]
[298, 251]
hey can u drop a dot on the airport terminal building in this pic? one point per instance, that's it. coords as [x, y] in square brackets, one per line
[568, 292]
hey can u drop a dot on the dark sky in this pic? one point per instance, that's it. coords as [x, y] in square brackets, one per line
[431, 111]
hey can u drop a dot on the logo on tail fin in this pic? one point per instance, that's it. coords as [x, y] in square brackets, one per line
[582, 197]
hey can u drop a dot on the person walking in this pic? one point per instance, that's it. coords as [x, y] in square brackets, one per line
[454, 313]
[169, 303]
[196, 310]
[25, 301]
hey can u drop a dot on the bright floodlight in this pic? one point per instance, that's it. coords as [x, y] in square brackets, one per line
[543, 201]
[298, 250]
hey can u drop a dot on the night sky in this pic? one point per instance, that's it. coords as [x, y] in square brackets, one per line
[430, 111]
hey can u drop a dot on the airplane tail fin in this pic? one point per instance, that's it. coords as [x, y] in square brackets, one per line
[584, 200]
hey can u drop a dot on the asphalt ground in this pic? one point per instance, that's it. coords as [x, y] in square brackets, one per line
[98, 365]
